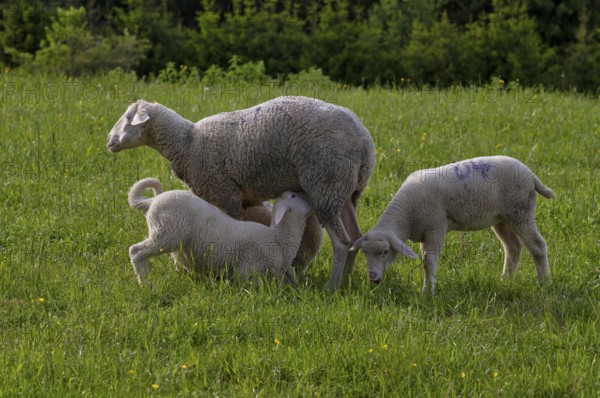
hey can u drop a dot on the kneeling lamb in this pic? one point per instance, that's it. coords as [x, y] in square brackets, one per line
[206, 240]
[470, 195]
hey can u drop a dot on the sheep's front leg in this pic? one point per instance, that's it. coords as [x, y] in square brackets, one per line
[289, 278]
[430, 252]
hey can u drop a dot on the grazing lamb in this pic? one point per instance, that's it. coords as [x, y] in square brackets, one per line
[239, 159]
[470, 195]
[206, 240]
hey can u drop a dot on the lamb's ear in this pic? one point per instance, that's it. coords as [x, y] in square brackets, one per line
[140, 117]
[402, 248]
[357, 245]
[279, 210]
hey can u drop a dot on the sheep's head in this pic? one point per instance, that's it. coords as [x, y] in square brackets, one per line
[381, 249]
[290, 201]
[128, 131]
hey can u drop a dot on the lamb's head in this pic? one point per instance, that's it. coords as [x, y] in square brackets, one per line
[381, 249]
[290, 201]
[128, 132]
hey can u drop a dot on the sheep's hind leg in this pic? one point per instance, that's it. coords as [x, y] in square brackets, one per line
[512, 248]
[139, 255]
[351, 226]
[341, 245]
[534, 242]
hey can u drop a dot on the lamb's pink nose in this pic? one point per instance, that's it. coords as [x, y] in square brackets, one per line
[374, 277]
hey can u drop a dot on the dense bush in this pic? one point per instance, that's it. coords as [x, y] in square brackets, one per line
[69, 47]
[353, 41]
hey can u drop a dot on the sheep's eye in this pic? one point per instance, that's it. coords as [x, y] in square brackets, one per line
[385, 252]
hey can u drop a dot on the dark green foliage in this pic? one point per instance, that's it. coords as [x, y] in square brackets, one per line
[154, 21]
[358, 42]
[22, 29]
[71, 48]
[582, 64]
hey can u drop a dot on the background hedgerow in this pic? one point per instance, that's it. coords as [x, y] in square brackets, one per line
[354, 42]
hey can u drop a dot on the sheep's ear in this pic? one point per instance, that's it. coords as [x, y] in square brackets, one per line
[357, 245]
[402, 248]
[140, 117]
[279, 211]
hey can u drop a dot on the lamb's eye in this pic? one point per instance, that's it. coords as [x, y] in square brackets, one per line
[385, 252]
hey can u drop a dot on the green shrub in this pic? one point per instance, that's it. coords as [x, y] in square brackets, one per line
[583, 59]
[431, 55]
[70, 47]
[247, 72]
[505, 43]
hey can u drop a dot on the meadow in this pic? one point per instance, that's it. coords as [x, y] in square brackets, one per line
[74, 322]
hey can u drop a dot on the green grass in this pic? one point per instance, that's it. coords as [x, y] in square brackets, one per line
[74, 322]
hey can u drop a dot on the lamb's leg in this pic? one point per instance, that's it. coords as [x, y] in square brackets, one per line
[139, 255]
[534, 242]
[430, 252]
[512, 248]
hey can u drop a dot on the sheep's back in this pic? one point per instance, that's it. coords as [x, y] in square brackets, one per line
[273, 143]
[477, 193]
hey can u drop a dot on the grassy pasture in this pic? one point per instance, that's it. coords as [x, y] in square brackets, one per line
[74, 322]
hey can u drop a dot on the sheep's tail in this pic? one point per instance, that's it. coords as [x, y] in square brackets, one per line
[135, 198]
[542, 189]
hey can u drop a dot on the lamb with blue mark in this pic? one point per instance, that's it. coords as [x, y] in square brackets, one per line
[495, 191]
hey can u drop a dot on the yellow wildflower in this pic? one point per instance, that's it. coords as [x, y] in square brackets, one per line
[183, 367]
[277, 342]
[385, 346]
[370, 350]
[495, 375]
[40, 299]
[414, 365]
[131, 372]
[154, 386]
[463, 375]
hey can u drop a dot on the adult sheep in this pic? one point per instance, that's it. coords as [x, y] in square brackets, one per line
[239, 159]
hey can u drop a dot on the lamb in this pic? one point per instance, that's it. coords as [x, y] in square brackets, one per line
[311, 240]
[206, 240]
[495, 191]
[239, 159]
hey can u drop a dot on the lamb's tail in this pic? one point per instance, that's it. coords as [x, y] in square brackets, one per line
[135, 198]
[542, 189]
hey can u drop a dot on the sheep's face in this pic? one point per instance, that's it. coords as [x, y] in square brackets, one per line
[291, 201]
[128, 131]
[381, 250]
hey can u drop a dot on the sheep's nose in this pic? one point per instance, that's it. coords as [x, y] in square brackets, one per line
[374, 277]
